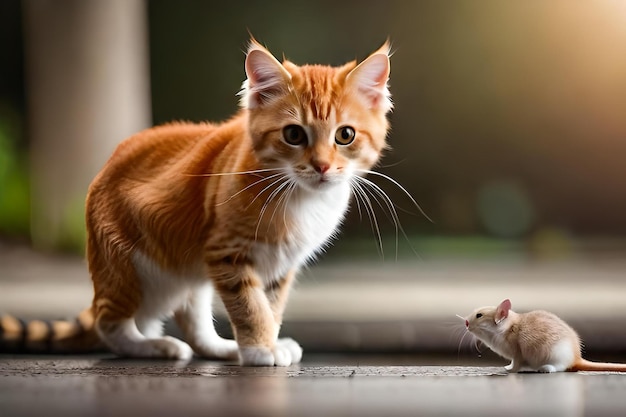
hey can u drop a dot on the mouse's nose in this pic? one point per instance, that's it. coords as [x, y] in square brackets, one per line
[466, 323]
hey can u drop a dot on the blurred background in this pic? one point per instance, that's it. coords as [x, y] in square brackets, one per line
[509, 129]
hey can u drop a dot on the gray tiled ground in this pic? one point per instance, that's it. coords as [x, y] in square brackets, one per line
[326, 386]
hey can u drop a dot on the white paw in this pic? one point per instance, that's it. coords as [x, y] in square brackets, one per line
[256, 356]
[285, 352]
[219, 349]
[547, 369]
[293, 347]
[166, 347]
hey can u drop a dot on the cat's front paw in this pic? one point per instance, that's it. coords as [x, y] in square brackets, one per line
[286, 352]
[218, 349]
[294, 349]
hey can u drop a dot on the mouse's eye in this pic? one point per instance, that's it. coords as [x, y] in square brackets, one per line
[479, 315]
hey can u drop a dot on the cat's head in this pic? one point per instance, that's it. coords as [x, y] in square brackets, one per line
[321, 124]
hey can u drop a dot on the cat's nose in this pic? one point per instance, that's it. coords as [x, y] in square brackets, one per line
[321, 167]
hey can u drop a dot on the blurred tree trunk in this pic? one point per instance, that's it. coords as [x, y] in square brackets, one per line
[87, 89]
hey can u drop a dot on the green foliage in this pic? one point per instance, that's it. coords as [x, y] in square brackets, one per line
[14, 188]
[73, 233]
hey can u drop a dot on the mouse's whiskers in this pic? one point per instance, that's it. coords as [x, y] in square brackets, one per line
[458, 350]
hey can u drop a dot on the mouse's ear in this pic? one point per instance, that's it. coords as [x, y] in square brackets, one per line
[502, 311]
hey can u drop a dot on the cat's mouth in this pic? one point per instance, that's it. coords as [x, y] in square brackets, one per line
[319, 182]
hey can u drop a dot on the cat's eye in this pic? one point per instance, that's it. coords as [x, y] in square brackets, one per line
[294, 135]
[479, 315]
[344, 135]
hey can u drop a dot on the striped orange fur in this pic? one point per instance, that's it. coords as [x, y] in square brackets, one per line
[184, 210]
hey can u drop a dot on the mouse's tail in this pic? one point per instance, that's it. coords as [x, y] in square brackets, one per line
[49, 336]
[585, 365]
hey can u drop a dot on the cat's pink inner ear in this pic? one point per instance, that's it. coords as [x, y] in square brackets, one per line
[267, 78]
[370, 78]
[503, 309]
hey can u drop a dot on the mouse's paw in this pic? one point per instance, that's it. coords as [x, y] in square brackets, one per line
[512, 367]
[547, 369]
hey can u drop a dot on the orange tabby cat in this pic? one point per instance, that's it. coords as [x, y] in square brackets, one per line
[183, 210]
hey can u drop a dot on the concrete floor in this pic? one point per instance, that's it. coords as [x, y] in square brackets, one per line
[320, 386]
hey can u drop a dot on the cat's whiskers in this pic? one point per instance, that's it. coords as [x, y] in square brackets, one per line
[388, 203]
[276, 192]
[397, 184]
[286, 181]
[393, 164]
[250, 186]
[221, 174]
[289, 193]
[284, 200]
[367, 187]
[359, 192]
[356, 199]
[281, 172]
[279, 179]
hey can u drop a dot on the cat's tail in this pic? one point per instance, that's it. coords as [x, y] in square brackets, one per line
[585, 365]
[49, 336]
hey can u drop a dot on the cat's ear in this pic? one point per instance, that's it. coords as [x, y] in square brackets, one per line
[267, 78]
[502, 311]
[370, 78]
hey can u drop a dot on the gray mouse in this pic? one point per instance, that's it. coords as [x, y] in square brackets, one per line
[536, 341]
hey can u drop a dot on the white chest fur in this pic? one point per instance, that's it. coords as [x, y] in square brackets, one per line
[315, 217]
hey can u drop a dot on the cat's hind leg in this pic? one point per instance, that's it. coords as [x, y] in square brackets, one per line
[124, 338]
[195, 318]
[121, 303]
